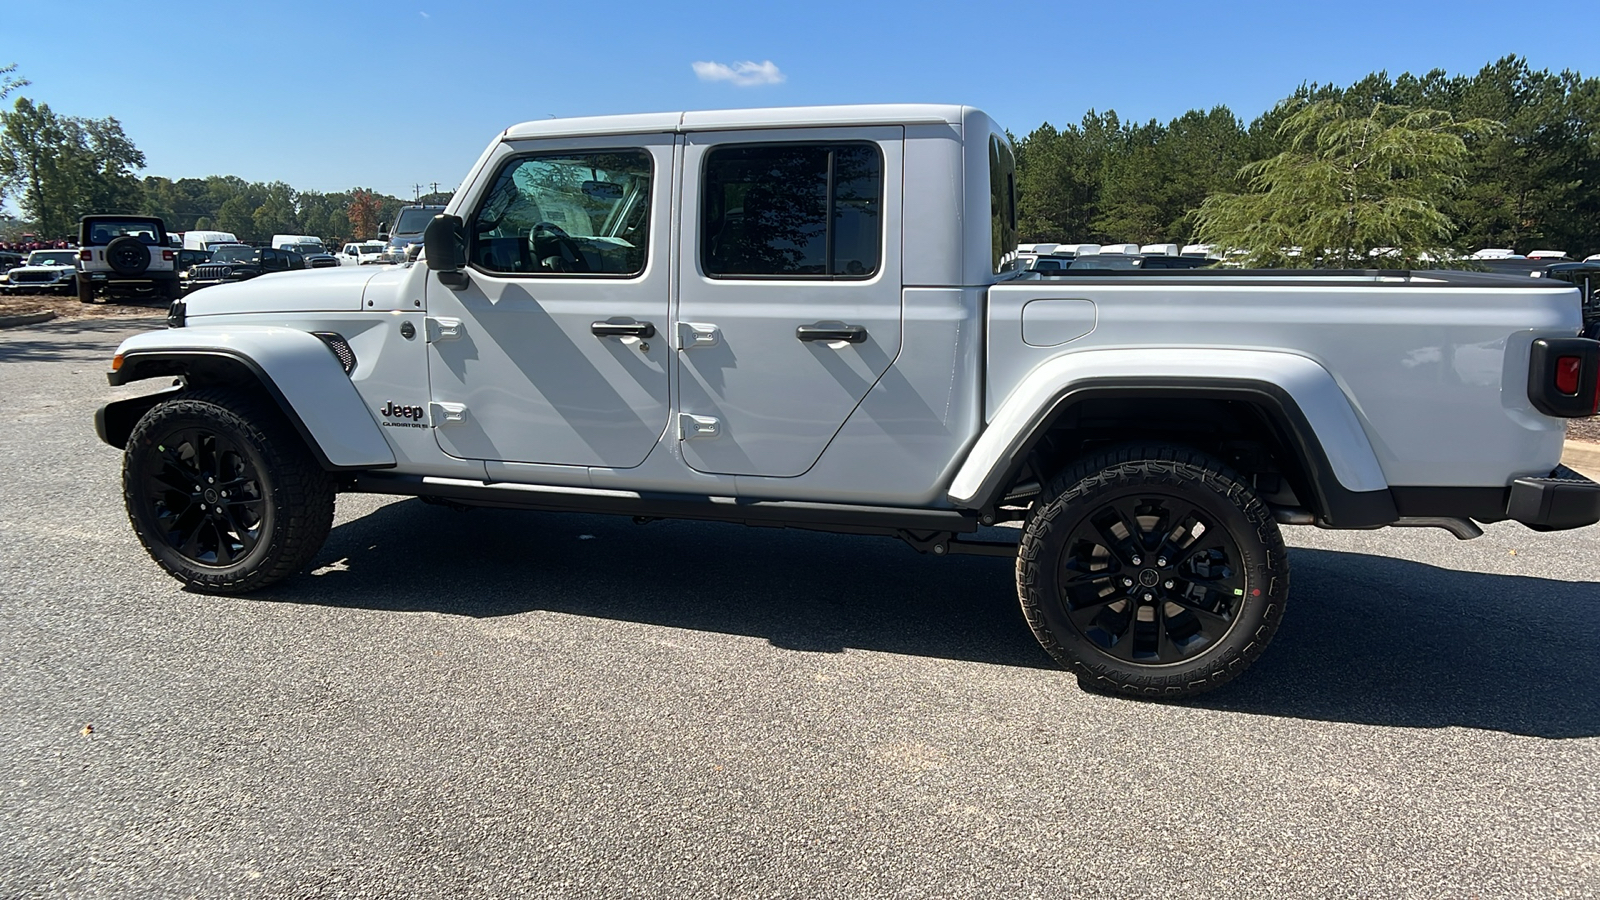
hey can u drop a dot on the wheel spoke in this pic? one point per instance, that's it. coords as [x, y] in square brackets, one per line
[188, 542]
[247, 538]
[224, 543]
[175, 479]
[1180, 597]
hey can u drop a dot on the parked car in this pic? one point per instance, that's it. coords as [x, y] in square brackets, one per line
[237, 262]
[812, 318]
[46, 270]
[315, 255]
[1585, 276]
[361, 254]
[187, 260]
[126, 257]
[407, 230]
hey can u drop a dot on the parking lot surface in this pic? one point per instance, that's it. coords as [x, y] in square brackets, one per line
[497, 704]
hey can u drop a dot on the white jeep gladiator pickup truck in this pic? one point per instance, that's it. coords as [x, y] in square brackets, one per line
[813, 318]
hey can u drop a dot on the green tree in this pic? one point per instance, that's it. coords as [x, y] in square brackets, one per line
[10, 81]
[64, 167]
[277, 213]
[237, 217]
[1346, 184]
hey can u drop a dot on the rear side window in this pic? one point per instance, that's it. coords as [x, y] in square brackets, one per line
[792, 211]
[1002, 205]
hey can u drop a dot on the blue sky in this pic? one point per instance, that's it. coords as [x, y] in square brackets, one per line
[388, 94]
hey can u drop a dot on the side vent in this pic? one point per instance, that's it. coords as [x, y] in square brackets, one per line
[340, 348]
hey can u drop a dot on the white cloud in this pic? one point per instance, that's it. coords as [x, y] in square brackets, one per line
[423, 14]
[742, 74]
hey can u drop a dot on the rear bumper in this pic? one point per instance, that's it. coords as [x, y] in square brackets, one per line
[1562, 499]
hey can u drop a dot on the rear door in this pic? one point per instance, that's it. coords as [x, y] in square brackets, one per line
[789, 293]
[557, 350]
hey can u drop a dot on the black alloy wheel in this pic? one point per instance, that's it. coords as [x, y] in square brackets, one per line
[1151, 578]
[206, 496]
[1152, 571]
[222, 493]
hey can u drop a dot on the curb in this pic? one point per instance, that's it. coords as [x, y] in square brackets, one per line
[1583, 456]
[26, 319]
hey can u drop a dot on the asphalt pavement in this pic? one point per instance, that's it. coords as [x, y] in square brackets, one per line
[503, 704]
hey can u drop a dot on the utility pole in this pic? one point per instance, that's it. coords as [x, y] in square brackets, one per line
[436, 187]
[416, 193]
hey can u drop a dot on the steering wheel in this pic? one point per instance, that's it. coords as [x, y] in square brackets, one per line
[567, 256]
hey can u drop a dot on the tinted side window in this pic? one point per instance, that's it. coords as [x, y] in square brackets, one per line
[567, 214]
[792, 211]
[1002, 205]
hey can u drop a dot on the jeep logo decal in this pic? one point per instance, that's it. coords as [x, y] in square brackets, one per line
[393, 411]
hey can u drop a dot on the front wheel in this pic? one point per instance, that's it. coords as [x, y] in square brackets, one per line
[223, 494]
[1152, 571]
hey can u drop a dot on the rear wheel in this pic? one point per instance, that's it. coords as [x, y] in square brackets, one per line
[223, 494]
[85, 290]
[1152, 571]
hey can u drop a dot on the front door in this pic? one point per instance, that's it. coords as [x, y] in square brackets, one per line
[557, 350]
[789, 297]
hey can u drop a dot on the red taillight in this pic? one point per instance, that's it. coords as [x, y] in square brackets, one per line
[1567, 370]
[166, 255]
[86, 254]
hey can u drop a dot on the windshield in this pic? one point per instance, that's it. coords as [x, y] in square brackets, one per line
[233, 254]
[52, 258]
[370, 248]
[304, 248]
[414, 221]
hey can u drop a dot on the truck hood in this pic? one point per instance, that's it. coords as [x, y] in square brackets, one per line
[54, 270]
[307, 290]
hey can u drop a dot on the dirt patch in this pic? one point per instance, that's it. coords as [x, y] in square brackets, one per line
[67, 306]
[1584, 429]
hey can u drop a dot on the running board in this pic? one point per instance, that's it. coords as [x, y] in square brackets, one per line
[841, 518]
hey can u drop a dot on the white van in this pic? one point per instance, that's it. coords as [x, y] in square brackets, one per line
[294, 241]
[205, 240]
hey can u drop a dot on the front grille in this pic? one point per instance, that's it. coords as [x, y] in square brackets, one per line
[324, 264]
[210, 272]
[32, 277]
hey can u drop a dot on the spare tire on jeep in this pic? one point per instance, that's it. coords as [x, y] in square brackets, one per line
[127, 256]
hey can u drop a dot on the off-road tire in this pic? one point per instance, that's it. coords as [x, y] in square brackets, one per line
[85, 290]
[292, 512]
[1049, 571]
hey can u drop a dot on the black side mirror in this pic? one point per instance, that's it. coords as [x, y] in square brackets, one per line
[383, 235]
[445, 246]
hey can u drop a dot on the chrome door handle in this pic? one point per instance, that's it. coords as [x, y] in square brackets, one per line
[622, 329]
[831, 331]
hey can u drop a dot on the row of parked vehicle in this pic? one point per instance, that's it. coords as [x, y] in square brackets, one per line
[135, 257]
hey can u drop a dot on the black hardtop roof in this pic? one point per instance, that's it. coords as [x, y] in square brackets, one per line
[112, 217]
